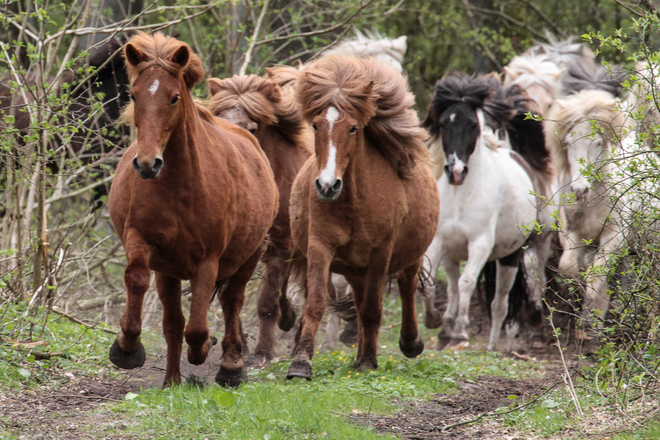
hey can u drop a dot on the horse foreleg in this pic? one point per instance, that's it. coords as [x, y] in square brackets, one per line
[573, 255]
[478, 252]
[269, 310]
[453, 270]
[197, 330]
[507, 268]
[598, 300]
[232, 368]
[318, 273]
[169, 292]
[127, 351]
[410, 342]
[432, 317]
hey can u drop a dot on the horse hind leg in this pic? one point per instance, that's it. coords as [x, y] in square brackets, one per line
[169, 292]
[432, 316]
[127, 351]
[507, 269]
[287, 317]
[232, 368]
[269, 311]
[410, 342]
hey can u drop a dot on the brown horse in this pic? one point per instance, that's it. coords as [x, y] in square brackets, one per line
[366, 205]
[273, 116]
[191, 201]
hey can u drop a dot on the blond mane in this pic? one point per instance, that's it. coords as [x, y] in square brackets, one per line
[262, 100]
[374, 94]
[158, 49]
[588, 105]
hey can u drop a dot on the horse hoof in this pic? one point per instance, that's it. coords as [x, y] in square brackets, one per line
[458, 344]
[287, 321]
[300, 368]
[411, 350]
[231, 378]
[365, 365]
[258, 360]
[127, 361]
[214, 340]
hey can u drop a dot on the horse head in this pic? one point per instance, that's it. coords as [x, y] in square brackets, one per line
[160, 95]
[585, 149]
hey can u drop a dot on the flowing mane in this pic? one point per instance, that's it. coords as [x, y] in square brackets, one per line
[562, 52]
[385, 50]
[528, 69]
[158, 50]
[588, 105]
[374, 94]
[284, 76]
[262, 100]
[583, 76]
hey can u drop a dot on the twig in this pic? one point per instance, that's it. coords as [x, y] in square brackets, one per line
[86, 397]
[253, 40]
[78, 321]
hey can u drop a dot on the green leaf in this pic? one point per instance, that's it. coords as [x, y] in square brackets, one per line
[25, 373]
[130, 396]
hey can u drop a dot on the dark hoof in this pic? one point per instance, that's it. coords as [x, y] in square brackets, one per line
[433, 320]
[349, 336]
[127, 361]
[411, 350]
[214, 340]
[365, 365]
[300, 368]
[231, 378]
[287, 320]
[535, 319]
[443, 339]
[258, 360]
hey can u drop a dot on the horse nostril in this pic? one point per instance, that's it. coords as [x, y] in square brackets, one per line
[136, 165]
[336, 187]
[318, 185]
[158, 164]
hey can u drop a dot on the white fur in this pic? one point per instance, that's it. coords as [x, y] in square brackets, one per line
[327, 177]
[154, 87]
[484, 219]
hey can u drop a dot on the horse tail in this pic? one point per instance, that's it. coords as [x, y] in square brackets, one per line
[344, 307]
[518, 295]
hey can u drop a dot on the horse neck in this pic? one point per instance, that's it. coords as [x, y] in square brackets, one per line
[183, 146]
[354, 175]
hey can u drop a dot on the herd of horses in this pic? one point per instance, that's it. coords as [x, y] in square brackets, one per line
[325, 170]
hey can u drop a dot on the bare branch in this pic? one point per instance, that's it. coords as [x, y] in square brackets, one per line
[253, 40]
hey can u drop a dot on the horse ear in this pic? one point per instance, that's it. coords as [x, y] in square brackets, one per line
[269, 73]
[510, 72]
[133, 55]
[181, 56]
[368, 88]
[270, 91]
[215, 86]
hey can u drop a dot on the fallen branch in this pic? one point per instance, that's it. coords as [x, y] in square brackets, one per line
[78, 321]
[100, 301]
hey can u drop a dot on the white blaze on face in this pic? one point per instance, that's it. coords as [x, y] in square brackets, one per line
[154, 87]
[452, 117]
[327, 177]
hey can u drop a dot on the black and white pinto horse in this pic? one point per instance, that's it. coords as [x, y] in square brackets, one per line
[491, 158]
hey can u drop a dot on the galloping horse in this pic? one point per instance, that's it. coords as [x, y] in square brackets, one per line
[584, 130]
[191, 201]
[365, 205]
[273, 116]
[487, 204]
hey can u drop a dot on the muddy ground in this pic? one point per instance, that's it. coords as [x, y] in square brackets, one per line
[72, 411]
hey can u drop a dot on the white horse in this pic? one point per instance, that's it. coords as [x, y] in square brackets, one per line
[388, 51]
[487, 204]
[584, 132]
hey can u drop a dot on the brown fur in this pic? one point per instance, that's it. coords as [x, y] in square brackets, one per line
[203, 216]
[383, 107]
[287, 144]
[379, 223]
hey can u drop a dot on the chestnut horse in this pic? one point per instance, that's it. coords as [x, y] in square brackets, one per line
[365, 205]
[191, 201]
[273, 116]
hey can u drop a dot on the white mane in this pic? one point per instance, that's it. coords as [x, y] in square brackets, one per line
[527, 70]
[384, 50]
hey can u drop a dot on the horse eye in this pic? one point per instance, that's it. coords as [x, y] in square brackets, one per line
[314, 126]
[174, 100]
[132, 97]
[353, 129]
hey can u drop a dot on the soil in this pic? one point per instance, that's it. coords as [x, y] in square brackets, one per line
[74, 411]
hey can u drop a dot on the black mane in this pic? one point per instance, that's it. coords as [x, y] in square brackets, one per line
[470, 90]
[504, 108]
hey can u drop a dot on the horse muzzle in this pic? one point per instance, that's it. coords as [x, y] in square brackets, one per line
[148, 169]
[329, 193]
[456, 173]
